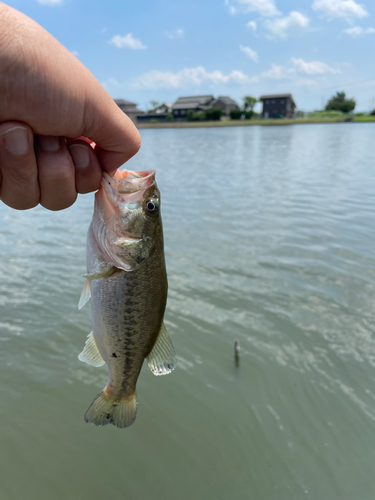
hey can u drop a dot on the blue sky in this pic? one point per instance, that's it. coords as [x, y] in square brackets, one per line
[160, 50]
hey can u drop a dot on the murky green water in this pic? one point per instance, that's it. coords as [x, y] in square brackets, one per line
[270, 236]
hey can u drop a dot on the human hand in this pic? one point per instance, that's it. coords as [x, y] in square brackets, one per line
[46, 97]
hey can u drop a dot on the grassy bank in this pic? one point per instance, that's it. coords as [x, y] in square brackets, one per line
[246, 123]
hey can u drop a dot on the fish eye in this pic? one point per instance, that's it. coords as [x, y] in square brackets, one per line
[151, 206]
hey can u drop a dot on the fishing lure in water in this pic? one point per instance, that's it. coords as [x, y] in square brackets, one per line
[127, 282]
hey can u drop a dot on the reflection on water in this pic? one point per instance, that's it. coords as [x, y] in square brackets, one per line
[269, 240]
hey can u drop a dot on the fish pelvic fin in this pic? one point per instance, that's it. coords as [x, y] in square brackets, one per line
[162, 359]
[85, 295]
[105, 410]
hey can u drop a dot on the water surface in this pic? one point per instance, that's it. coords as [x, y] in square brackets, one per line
[270, 239]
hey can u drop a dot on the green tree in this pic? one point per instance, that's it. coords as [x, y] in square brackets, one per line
[235, 114]
[214, 114]
[154, 105]
[196, 116]
[339, 102]
[249, 103]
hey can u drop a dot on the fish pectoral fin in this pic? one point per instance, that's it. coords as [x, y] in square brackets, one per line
[103, 274]
[90, 353]
[85, 295]
[162, 359]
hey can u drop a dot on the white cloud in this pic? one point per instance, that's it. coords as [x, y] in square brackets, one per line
[251, 54]
[127, 41]
[299, 66]
[357, 31]
[50, 2]
[278, 72]
[262, 7]
[188, 77]
[179, 33]
[282, 26]
[348, 9]
[252, 25]
[312, 67]
[75, 53]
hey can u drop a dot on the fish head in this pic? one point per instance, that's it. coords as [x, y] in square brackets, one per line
[127, 222]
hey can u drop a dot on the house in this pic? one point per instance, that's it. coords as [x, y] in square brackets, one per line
[278, 106]
[165, 107]
[227, 104]
[193, 103]
[130, 108]
[160, 114]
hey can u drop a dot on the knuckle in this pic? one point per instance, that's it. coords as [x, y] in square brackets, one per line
[59, 202]
[136, 144]
[20, 204]
[62, 173]
[19, 184]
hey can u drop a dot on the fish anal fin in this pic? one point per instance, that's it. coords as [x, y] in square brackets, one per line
[90, 353]
[85, 295]
[162, 359]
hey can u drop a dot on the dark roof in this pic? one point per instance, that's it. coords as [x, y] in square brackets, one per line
[123, 102]
[226, 100]
[127, 106]
[196, 100]
[277, 96]
[189, 105]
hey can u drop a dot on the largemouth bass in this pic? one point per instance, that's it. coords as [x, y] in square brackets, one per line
[127, 282]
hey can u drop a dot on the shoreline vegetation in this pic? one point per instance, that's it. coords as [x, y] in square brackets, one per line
[267, 122]
[278, 109]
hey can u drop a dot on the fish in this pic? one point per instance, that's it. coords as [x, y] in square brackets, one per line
[127, 282]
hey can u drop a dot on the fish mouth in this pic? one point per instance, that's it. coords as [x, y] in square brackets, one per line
[127, 181]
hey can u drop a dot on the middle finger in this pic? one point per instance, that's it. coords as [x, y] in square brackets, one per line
[55, 172]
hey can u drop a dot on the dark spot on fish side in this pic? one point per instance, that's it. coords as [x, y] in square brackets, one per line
[114, 405]
[114, 355]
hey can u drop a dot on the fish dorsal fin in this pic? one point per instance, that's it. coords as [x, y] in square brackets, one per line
[90, 353]
[85, 295]
[162, 359]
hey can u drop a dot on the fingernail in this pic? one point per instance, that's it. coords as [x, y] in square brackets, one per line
[16, 140]
[80, 155]
[49, 142]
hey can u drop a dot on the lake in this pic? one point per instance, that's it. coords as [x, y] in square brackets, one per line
[269, 236]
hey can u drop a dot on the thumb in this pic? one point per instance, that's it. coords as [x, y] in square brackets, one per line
[116, 137]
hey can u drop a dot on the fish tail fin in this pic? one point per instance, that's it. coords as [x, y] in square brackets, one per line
[106, 410]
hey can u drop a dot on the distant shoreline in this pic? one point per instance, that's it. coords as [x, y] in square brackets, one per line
[246, 123]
